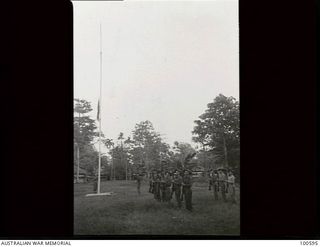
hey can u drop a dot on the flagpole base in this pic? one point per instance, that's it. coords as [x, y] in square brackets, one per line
[101, 194]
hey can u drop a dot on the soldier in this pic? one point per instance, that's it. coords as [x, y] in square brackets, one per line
[231, 187]
[215, 184]
[162, 188]
[167, 184]
[176, 188]
[173, 175]
[157, 192]
[186, 187]
[182, 191]
[151, 183]
[222, 183]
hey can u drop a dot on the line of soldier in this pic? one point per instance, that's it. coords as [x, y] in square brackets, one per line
[165, 185]
[223, 182]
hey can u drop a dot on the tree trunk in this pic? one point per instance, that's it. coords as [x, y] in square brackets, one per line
[225, 152]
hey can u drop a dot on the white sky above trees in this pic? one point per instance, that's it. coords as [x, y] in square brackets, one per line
[162, 61]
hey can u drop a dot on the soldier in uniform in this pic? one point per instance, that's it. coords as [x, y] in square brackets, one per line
[176, 188]
[231, 187]
[186, 187]
[173, 175]
[157, 192]
[167, 182]
[151, 183]
[162, 188]
[215, 184]
[222, 183]
[182, 191]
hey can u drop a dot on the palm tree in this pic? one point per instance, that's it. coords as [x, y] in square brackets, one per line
[110, 144]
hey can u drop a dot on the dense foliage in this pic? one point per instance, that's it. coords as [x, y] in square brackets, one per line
[216, 132]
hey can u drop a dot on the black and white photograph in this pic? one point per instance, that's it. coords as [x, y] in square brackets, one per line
[156, 118]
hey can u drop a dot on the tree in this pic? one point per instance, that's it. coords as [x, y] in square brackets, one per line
[148, 150]
[120, 138]
[84, 126]
[110, 145]
[84, 134]
[128, 146]
[119, 155]
[208, 159]
[217, 130]
[105, 170]
[89, 159]
[182, 154]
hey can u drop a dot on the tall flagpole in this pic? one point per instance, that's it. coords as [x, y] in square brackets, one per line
[99, 166]
[99, 119]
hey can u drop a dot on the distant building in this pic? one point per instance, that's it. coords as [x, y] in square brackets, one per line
[198, 171]
[83, 175]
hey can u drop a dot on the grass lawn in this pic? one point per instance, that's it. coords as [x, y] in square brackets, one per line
[126, 212]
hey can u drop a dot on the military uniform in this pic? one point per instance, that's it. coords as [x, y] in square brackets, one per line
[215, 184]
[139, 179]
[157, 191]
[151, 184]
[186, 187]
[167, 185]
[160, 187]
[232, 188]
[176, 189]
[223, 185]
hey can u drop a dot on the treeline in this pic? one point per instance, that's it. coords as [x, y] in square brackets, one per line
[216, 133]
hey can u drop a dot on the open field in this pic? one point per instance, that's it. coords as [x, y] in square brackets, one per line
[126, 212]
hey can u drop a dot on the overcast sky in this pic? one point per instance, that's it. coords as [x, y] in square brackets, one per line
[162, 61]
